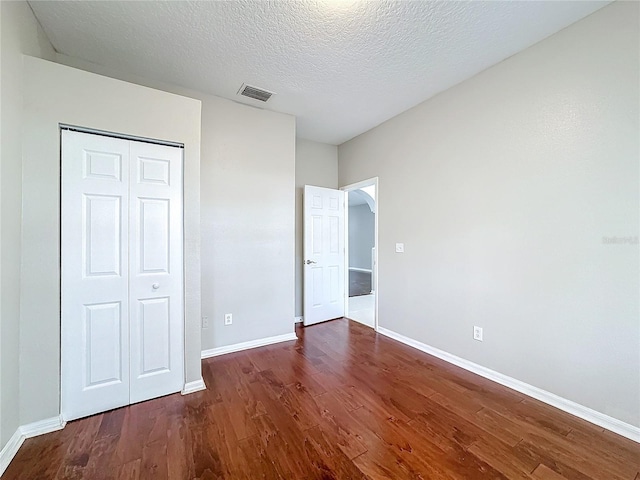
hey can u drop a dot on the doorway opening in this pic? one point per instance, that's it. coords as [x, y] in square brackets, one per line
[122, 286]
[361, 257]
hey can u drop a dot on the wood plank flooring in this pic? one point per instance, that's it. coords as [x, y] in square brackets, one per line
[340, 403]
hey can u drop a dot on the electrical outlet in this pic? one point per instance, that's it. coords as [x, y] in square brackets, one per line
[477, 333]
[228, 319]
[205, 322]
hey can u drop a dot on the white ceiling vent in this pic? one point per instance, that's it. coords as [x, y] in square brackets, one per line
[255, 92]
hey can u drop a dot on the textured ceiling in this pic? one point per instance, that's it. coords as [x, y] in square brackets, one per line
[340, 67]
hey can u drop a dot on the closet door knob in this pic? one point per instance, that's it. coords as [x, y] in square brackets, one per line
[155, 286]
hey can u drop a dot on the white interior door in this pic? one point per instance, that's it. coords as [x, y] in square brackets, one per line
[155, 271]
[324, 270]
[121, 279]
[95, 283]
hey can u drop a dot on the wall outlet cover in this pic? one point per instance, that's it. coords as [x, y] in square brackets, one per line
[477, 333]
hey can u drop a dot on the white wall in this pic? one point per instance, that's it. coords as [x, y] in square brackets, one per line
[247, 212]
[362, 228]
[20, 33]
[56, 94]
[316, 164]
[502, 189]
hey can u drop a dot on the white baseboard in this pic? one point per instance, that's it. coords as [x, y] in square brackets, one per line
[27, 431]
[237, 347]
[10, 449]
[357, 269]
[43, 426]
[298, 319]
[605, 421]
[192, 387]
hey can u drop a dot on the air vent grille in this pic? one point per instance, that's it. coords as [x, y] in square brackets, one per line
[255, 93]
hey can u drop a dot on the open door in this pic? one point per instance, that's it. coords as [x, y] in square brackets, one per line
[323, 261]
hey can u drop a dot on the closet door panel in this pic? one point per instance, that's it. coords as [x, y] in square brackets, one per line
[95, 264]
[155, 271]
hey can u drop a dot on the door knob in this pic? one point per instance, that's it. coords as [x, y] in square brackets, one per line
[309, 262]
[155, 286]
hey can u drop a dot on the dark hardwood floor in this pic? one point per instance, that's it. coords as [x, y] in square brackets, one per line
[340, 403]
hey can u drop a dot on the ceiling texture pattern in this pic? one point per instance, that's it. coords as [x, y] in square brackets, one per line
[340, 67]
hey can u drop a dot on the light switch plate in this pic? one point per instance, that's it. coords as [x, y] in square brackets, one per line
[399, 247]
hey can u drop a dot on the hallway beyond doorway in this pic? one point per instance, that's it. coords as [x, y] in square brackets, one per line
[361, 309]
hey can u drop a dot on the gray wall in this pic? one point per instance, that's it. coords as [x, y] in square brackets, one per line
[247, 214]
[247, 222]
[362, 223]
[502, 189]
[247, 219]
[316, 164]
[56, 94]
[20, 33]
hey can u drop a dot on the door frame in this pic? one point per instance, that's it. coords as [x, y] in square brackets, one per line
[124, 136]
[374, 268]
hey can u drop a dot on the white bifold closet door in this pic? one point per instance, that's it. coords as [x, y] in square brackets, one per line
[122, 272]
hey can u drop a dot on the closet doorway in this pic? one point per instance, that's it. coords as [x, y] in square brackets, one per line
[122, 289]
